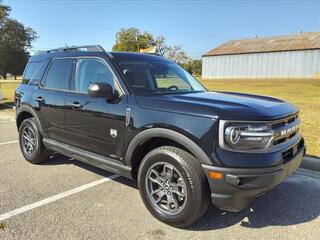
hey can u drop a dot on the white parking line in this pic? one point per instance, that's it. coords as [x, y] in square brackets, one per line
[6, 143]
[55, 198]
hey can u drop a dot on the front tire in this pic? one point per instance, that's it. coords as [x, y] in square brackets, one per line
[173, 186]
[31, 144]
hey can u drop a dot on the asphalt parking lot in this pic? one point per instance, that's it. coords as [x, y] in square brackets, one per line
[66, 199]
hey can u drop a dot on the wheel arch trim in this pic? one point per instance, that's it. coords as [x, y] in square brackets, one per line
[171, 135]
[25, 108]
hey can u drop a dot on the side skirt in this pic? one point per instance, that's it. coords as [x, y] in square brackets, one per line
[90, 158]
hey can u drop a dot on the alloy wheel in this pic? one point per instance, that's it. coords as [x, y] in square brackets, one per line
[28, 140]
[166, 188]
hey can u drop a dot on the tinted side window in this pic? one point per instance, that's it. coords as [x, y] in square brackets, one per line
[59, 74]
[34, 71]
[92, 71]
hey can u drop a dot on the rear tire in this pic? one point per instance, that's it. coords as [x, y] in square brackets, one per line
[31, 144]
[173, 186]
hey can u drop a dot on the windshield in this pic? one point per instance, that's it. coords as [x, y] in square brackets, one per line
[158, 77]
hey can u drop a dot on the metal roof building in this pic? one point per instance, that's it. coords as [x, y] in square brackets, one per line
[291, 56]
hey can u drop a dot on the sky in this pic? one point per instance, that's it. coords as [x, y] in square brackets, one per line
[198, 26]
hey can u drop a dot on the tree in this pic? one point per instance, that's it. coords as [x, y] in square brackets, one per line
[161, 46]
[4, 12]
[193, 66]
[196, 67]
[15, 40]
[132, 40]
[176, 54]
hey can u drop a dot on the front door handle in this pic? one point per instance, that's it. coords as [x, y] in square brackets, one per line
[75, 105]
[39, 99]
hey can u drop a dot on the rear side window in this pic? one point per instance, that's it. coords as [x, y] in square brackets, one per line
[34, 71]
[59, 74]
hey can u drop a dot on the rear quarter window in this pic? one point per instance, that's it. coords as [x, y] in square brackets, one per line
[34, 72]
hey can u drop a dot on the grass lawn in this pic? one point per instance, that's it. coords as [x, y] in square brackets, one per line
[305, 94]
[7, 88]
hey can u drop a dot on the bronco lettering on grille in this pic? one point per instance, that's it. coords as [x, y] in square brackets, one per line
[289, 130]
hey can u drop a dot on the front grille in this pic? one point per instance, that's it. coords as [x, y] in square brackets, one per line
[283, 122]
[285, 129]
[281, 140]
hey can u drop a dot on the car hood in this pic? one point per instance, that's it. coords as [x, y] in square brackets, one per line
[223, 105]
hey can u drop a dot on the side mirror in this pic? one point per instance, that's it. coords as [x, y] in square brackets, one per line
[101, 90]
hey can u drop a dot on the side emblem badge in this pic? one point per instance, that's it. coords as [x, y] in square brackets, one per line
[113, 133]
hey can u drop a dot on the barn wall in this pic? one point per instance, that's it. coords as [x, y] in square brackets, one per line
[290, 64]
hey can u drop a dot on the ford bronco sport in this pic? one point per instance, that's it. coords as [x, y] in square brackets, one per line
[144, 117]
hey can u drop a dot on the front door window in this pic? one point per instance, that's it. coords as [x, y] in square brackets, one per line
[92, 71]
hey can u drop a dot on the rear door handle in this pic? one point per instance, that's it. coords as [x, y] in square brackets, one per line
[75, 105]
[39, 99]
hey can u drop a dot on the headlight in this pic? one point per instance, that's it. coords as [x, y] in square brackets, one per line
[242, 136]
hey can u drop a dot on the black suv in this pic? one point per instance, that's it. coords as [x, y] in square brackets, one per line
[144, 117]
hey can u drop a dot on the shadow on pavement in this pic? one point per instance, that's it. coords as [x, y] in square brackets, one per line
[6, 105]
[295, 201]
[57, 159]
[292, 202]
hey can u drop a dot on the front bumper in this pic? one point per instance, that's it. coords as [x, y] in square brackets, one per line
[239, 186]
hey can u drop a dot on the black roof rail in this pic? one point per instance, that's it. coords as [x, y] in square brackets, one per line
[87, 48]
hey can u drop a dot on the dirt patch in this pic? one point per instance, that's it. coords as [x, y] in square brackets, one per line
[2, 226]
[158, 233]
